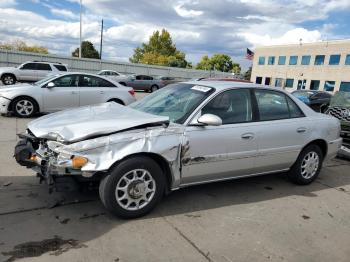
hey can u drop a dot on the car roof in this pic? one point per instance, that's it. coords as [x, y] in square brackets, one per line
[230, 84]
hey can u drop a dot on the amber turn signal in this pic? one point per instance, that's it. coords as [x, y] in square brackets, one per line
[33, 158]
[79, 161]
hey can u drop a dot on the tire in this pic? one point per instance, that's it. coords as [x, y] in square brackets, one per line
[130, 180]
[24, 107]
[308, 165]
[154, 88]
[8, 79]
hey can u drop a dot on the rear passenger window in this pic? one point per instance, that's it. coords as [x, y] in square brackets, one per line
[92, 81]
[45, 67]
[60, 67]
[272, 105]
[294, 110]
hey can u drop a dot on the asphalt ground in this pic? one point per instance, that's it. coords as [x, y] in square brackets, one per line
[255, 219]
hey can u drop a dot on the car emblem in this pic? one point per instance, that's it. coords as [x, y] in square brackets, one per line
[345, 113]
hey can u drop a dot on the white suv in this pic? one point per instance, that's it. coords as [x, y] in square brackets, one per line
[30, 71]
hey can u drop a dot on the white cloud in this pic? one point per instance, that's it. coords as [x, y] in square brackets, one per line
[7, 3]
[181, 11]
[63, 13]
[290, 37]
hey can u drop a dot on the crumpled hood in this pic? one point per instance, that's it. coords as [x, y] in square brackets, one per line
[90, 121]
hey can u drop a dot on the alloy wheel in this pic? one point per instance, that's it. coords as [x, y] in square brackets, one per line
[24, 107]
[310, 165]
[135, 189]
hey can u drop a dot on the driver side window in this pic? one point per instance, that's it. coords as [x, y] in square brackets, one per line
[67, 81]
[233, 106]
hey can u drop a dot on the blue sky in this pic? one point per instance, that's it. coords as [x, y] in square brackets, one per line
[198, 27]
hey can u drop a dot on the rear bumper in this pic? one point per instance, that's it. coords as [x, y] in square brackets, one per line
[333, 148]
[4, 105]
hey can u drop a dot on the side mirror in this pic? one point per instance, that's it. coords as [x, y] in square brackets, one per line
[210, 120]
[50, 85]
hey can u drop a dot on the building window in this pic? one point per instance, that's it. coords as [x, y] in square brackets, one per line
[271, 60]
[319, 60]
[262, 60]
[289, 82]
[258, 80]
[293, 60]
[278, 82]
[344, 86]
[267, 81]
[314, 84]
[282, 60]
[329, 86]
[305, 59]
[334, 59]
[347, 60]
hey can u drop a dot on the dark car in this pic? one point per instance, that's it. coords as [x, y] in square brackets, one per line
[317, 100]
[224, 79]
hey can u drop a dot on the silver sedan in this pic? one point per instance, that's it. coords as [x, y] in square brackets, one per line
[184, 134]
[60, 92]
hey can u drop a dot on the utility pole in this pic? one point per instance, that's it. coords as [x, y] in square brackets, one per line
[80, 43]
[101, 39]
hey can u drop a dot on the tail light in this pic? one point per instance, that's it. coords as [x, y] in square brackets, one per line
[132, 92]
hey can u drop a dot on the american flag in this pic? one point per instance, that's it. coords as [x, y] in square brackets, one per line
[250, 54]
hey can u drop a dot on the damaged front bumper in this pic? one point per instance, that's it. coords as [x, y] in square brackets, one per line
[59, 170]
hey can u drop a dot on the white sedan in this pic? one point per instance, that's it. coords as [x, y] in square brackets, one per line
[61, 92]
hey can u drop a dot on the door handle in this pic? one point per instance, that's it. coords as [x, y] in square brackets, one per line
[74, 93]
[247, 136]
[301, 130]
[102, 92]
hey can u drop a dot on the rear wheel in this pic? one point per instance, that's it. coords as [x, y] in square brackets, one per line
[154, 88]
[115, 100]
[8, 79]
[133, 187]
[308, 166]
[24, 107]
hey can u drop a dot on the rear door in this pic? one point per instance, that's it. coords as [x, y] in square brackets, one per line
[65, 94]
[43, 70]
[93, 90]
[281, 132]
[28, 72]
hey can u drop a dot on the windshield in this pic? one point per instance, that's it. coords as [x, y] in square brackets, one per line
[177, 101]
[341, 99]
[46, 79]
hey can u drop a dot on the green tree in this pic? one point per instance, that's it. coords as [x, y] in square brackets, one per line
[87, 51]
[248, 74]
[220, 62]
[160, 50]
[22, 46]
[236, 69]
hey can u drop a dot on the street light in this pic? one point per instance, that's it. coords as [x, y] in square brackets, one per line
[80, 29]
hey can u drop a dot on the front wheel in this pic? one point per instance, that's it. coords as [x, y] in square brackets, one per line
[133, 187]
[24, 107]
[308, 166]
[154, 88]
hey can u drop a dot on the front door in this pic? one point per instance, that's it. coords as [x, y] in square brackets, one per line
[28, 72]
[225, 151]
[64, 94]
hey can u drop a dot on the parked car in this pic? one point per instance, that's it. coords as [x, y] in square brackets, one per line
[115, 76]
[167, 80]
[339, 107]
[30, 72]
[144, 82]
[184, 134]
[61, 92]
[314, 99]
